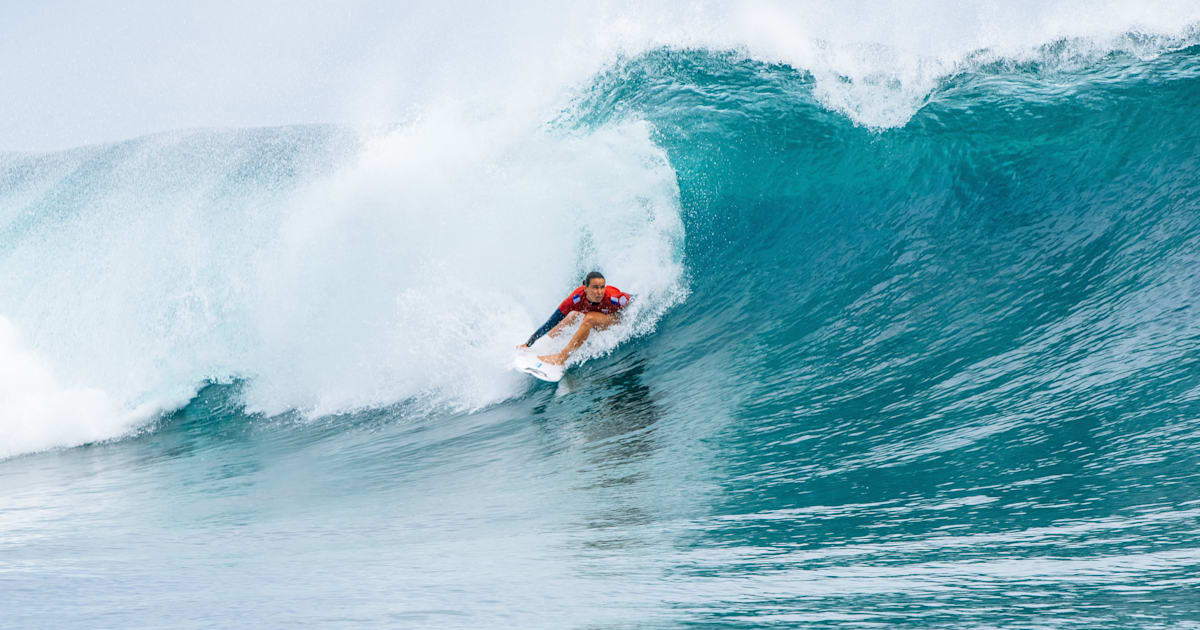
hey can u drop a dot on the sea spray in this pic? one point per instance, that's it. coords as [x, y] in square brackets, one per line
[331, 275]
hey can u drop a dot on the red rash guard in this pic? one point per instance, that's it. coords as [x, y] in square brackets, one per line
[614, 300]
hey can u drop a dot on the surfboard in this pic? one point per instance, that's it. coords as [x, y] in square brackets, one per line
[528, 363]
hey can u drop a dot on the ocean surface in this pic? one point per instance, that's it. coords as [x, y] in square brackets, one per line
[909, 349]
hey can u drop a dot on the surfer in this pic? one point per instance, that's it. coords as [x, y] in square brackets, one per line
[598, 304]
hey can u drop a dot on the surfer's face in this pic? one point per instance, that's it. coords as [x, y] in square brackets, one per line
[595, 290]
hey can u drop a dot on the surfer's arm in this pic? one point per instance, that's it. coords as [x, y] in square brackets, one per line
[554, 321]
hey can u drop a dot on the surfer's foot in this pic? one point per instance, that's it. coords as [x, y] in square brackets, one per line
[553, 359]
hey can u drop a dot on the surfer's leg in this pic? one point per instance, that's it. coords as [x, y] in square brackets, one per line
[567, 321]
[591, 321]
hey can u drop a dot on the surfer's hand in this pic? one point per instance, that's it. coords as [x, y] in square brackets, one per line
[522, 347]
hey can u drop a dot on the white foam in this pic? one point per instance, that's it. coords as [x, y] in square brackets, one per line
[418, 269]
[410, 273]
[38, 411]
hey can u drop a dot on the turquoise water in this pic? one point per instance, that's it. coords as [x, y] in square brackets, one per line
[942, 374]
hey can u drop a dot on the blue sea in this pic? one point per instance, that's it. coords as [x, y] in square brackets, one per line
[915, 343]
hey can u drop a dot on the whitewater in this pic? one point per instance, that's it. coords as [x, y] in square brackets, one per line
[914, 340]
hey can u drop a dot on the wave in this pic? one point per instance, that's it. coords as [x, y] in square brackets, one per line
[1025, 221]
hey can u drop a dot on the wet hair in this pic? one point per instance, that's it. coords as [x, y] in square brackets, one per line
[587, 281]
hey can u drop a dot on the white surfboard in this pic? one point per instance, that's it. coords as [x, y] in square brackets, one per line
[528, 363]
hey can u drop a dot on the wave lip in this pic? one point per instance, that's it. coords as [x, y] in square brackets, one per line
[872, 61]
